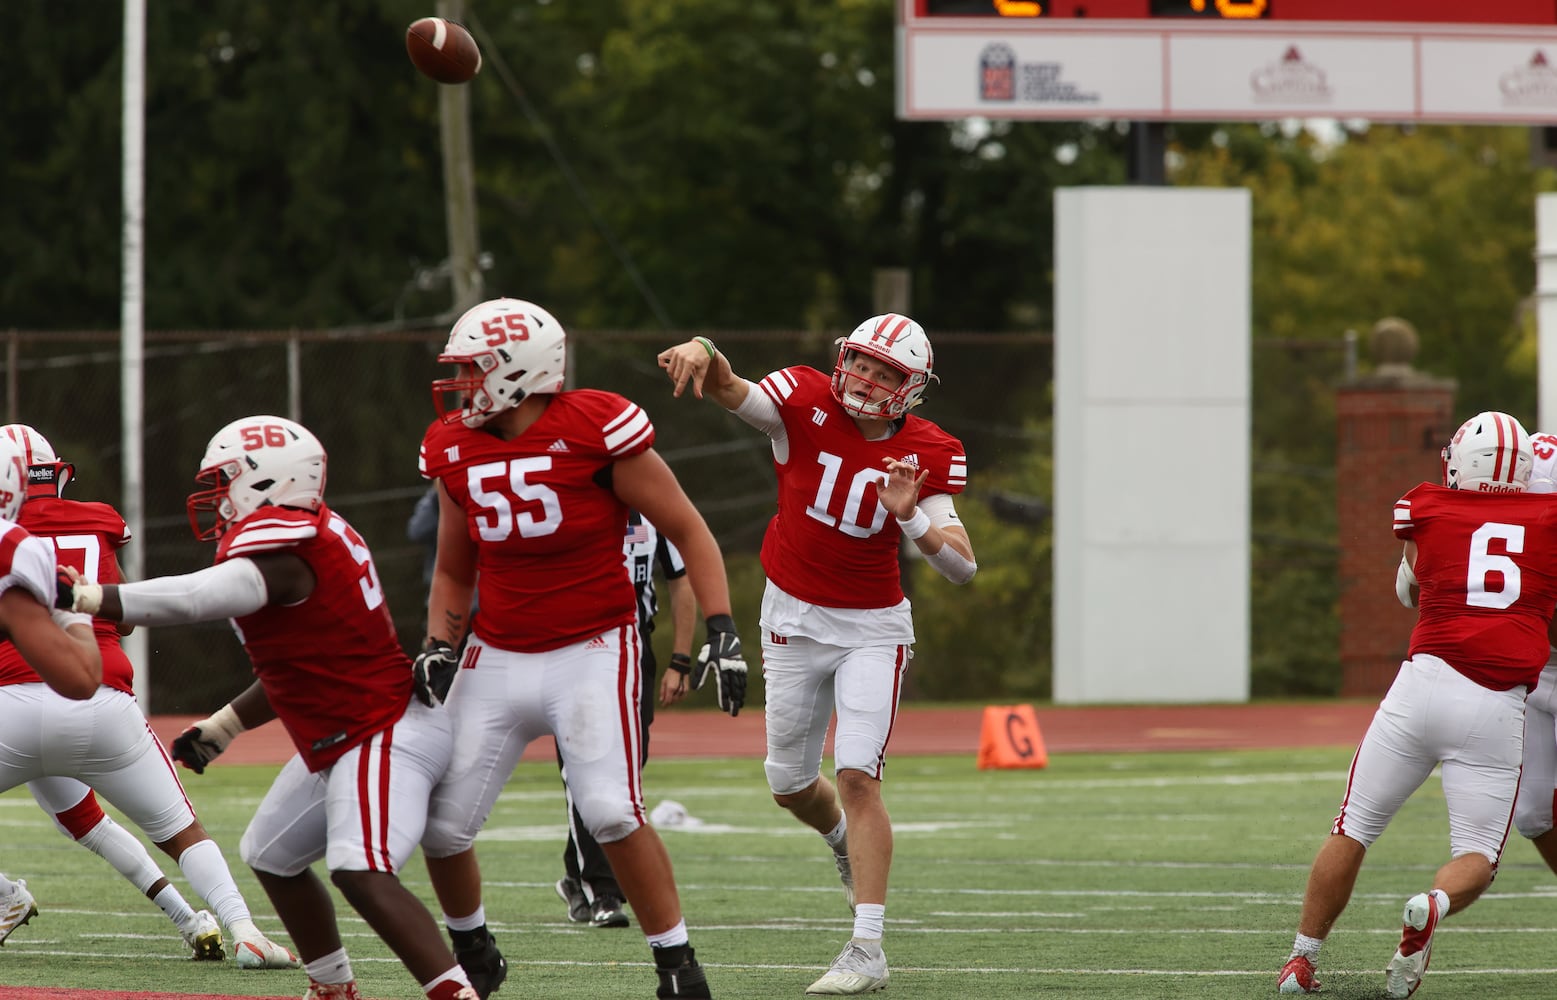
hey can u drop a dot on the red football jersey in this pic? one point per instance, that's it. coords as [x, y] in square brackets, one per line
[549, 531]
[86, 536]
[1486, 565]
[831, 542]
[332, 665]
[28, 563]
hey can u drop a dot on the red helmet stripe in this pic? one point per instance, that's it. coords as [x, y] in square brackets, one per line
[1497, 464]
[890, 328]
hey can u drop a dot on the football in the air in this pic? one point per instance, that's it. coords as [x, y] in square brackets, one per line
[442, 50]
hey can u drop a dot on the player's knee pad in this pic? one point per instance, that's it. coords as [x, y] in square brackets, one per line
[606, 819]
[446, 836]
[786, 779]
[1532, 819]
[857, 754]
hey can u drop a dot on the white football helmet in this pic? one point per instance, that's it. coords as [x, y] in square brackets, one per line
[507, 349]
[13, 478]
[1490, 453]
[256, 462]
[897, 341]
[46, 474]
[1543, 473]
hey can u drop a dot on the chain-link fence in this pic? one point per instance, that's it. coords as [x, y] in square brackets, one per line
[366, 394]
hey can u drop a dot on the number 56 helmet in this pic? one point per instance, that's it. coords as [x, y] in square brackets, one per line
[1490, 453]
[894, 340]
[252, 463]
[506, 349]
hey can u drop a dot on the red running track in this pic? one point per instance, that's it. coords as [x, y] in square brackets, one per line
[955, 731]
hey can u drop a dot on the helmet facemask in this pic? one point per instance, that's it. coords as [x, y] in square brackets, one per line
[896, 341]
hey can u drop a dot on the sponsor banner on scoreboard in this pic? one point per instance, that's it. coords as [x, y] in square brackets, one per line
[1286, 76]
[1333, 71]
[1031, 76]
[1512, 80]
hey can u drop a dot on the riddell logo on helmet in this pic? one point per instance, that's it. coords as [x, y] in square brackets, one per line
[1497, 488]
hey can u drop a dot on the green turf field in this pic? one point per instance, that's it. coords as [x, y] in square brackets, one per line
[1163, 875]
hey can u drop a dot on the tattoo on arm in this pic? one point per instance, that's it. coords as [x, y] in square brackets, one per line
[455, 622]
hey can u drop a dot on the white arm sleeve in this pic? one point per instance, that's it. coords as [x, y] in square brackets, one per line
[227, 590]
[948, 562]
[762, 413]
[1405, 579]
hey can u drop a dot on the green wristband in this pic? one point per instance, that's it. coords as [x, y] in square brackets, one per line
[708, 345]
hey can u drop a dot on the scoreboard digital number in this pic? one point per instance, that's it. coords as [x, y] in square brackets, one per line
[1487, 61]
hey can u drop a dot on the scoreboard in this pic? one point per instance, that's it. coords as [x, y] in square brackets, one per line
[1486, 61]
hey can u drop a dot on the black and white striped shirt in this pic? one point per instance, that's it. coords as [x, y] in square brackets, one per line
[644, 547]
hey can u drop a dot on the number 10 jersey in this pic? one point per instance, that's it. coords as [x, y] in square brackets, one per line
[832, 543]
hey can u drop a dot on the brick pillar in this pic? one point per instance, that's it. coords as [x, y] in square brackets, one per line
[1391, 425]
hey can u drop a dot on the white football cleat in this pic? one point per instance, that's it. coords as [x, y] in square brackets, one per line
[1404, 973]
[16, 908]
[204, 938]
[332, 991]
[846, 876]
[259, 952]
[860, 968]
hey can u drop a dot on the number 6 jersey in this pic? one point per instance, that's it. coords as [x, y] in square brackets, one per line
[831, 542]
[1487, 568]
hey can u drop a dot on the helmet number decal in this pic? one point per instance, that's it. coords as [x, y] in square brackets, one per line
[1483, 563]
[497, 520]
[372, 591]
[505, 329]
[848, 521]
[264, 436]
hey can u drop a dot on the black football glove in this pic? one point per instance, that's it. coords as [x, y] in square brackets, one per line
[721, 656]
[432, 673]
[204, 741]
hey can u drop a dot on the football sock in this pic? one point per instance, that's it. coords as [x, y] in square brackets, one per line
[448, 983]
[869, 919]
[332, 969]
[207, 872]
[1306, 946]
[1442, 899]
[838, 838]
[669, 939]
[471, 922]
[117, 846]
[172, 902]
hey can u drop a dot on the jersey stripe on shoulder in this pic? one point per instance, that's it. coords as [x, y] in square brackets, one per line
[779, 385]
[627, 429]
[264, 534]
[957, 474]
[14, 535]
[1403, 515]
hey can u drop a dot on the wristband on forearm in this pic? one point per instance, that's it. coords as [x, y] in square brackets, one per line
[681, 663]
[223, 723]
[708, 345]
[916, 526]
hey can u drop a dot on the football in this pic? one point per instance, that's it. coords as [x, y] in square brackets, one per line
[442, 50]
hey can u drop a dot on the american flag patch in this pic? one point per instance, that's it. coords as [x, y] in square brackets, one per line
[637, 534]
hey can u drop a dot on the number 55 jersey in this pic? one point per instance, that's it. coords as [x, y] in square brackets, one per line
[547, 524]
[1486, 565]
